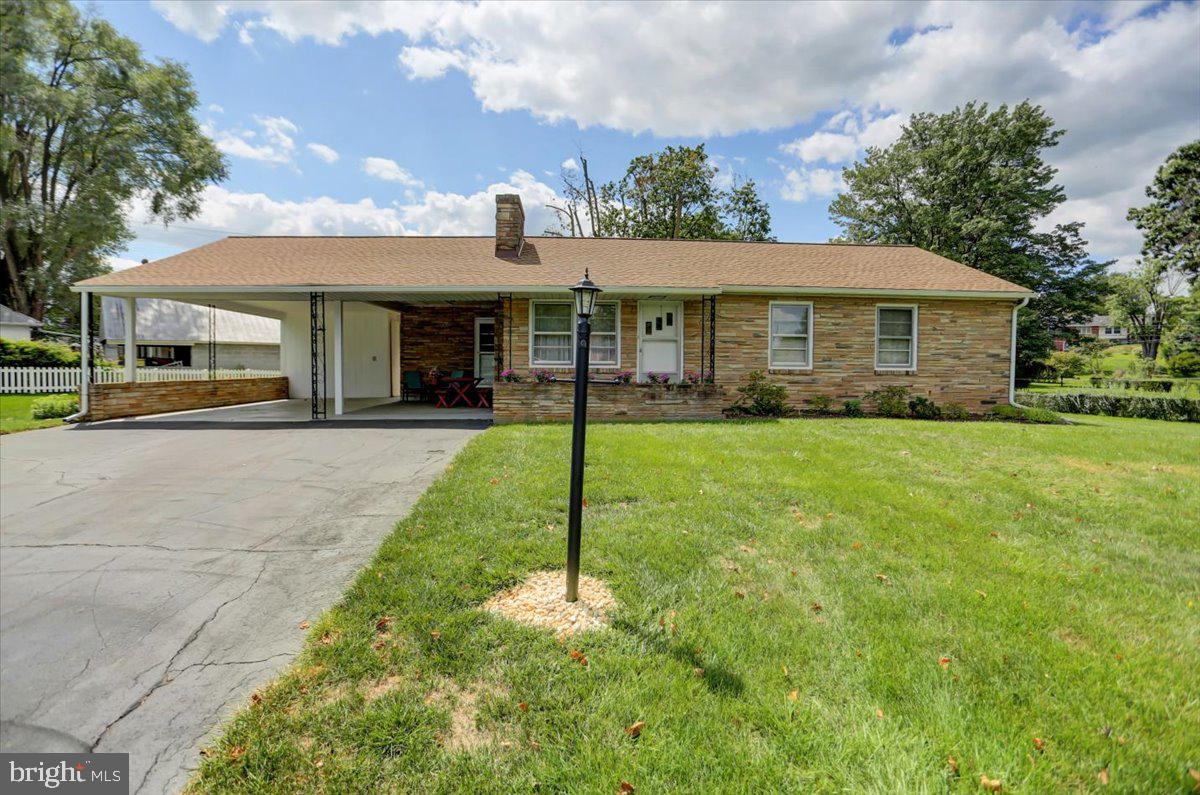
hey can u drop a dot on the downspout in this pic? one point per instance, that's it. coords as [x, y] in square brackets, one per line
[1012, 366]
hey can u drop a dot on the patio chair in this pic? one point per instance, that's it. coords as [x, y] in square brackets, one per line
[413, 387]
[458, 373]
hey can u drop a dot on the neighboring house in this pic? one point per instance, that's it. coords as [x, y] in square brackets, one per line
[15, 325]
[822, 319]
[175, 333]
[1100, 327]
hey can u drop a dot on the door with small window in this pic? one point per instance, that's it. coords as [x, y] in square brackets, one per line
[660, 339]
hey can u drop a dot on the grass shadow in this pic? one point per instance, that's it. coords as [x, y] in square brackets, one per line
[717, 677]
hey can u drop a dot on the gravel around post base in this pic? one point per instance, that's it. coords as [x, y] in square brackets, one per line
[539, 602]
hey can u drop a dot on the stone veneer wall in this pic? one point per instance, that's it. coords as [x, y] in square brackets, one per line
[110, 401]
[962, 349]
[443, 336]
[535, 402]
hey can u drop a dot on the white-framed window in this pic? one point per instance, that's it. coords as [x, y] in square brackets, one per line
[605, 343]
[552, 334]
[790, 345]
[895, 337]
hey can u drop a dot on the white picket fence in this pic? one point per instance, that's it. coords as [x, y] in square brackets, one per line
[66, 379]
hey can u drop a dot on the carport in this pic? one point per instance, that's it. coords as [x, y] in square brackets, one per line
[344, 351]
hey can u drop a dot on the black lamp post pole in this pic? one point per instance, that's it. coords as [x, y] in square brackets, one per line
[578, 429]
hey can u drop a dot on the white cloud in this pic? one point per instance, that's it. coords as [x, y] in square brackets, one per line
[569, 165]
[215, 108]
[828, 146]
[278, 145]
[204, 20]
[326, 153]
[390, 171]
[225, 212]
[428, 63]
[802, 184]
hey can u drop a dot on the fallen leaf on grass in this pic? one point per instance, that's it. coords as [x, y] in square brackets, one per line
[635, 729]
[382, 623]
[1102, 776]
[982, 594]
[255, 699]
[794, 695]
[524, 707]
[883, 578]
[739, 594]
[816, 607]
[326, 639]
[579, 657]
[990, 784]
[435, 634]
[319, 763]
[879, 714]
[236, 753]
[856, 545]
[944, 662]
[1195, 776]
[305, 625]
[698, 672]
[953, 764]
[1039, 743]
[535, 745]
[626, 787]
[494, 481]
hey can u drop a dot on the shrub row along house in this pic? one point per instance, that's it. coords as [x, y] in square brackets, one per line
[361, 315]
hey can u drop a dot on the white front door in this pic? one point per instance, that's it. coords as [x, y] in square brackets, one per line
[660, 338]
[485, 350]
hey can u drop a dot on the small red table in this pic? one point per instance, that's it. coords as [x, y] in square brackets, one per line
[453, 391]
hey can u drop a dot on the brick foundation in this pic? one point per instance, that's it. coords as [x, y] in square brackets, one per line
[534, 402]
[110, 401]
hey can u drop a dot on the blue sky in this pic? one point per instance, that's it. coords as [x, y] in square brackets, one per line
[432, 108]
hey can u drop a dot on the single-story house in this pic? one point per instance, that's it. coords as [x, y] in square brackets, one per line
[1100, 327]
[16, 325]
[176, 333]
[359, 313]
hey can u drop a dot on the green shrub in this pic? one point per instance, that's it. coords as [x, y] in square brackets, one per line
[1031, 414]
[54, 406]
[889, 401]
[1184, 365]
[1096, 381]
[23, 353]
[955, 411]
[761, 397]
[821, 403]
[1067, 364]
[924, 409]
[853, 408]
[1148, 407]
[1145, 384]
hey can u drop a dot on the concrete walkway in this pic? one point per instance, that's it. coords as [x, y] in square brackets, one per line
[151, 578]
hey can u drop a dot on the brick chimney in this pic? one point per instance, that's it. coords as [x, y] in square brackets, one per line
[510, 225]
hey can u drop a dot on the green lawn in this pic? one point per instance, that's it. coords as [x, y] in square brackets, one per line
[804, 605]
[15, 414]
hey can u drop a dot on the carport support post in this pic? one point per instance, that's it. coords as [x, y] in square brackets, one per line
[131, 340]
[85, 348]
[338, 393]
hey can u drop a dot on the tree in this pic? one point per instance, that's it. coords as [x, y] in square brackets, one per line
[1170, 223]
[667, 194]
[972, 186]
[1144, 301]
[86, 126]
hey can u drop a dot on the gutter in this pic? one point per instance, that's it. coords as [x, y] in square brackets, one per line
[1012, 364]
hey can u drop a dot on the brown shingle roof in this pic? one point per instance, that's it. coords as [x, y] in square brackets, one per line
[466, 262]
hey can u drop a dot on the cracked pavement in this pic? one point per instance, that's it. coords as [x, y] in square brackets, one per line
[150, 579]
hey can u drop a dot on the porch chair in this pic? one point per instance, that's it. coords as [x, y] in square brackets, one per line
[413, 387]
[458, 373]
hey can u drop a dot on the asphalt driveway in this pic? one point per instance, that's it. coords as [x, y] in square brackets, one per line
[152, 577]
